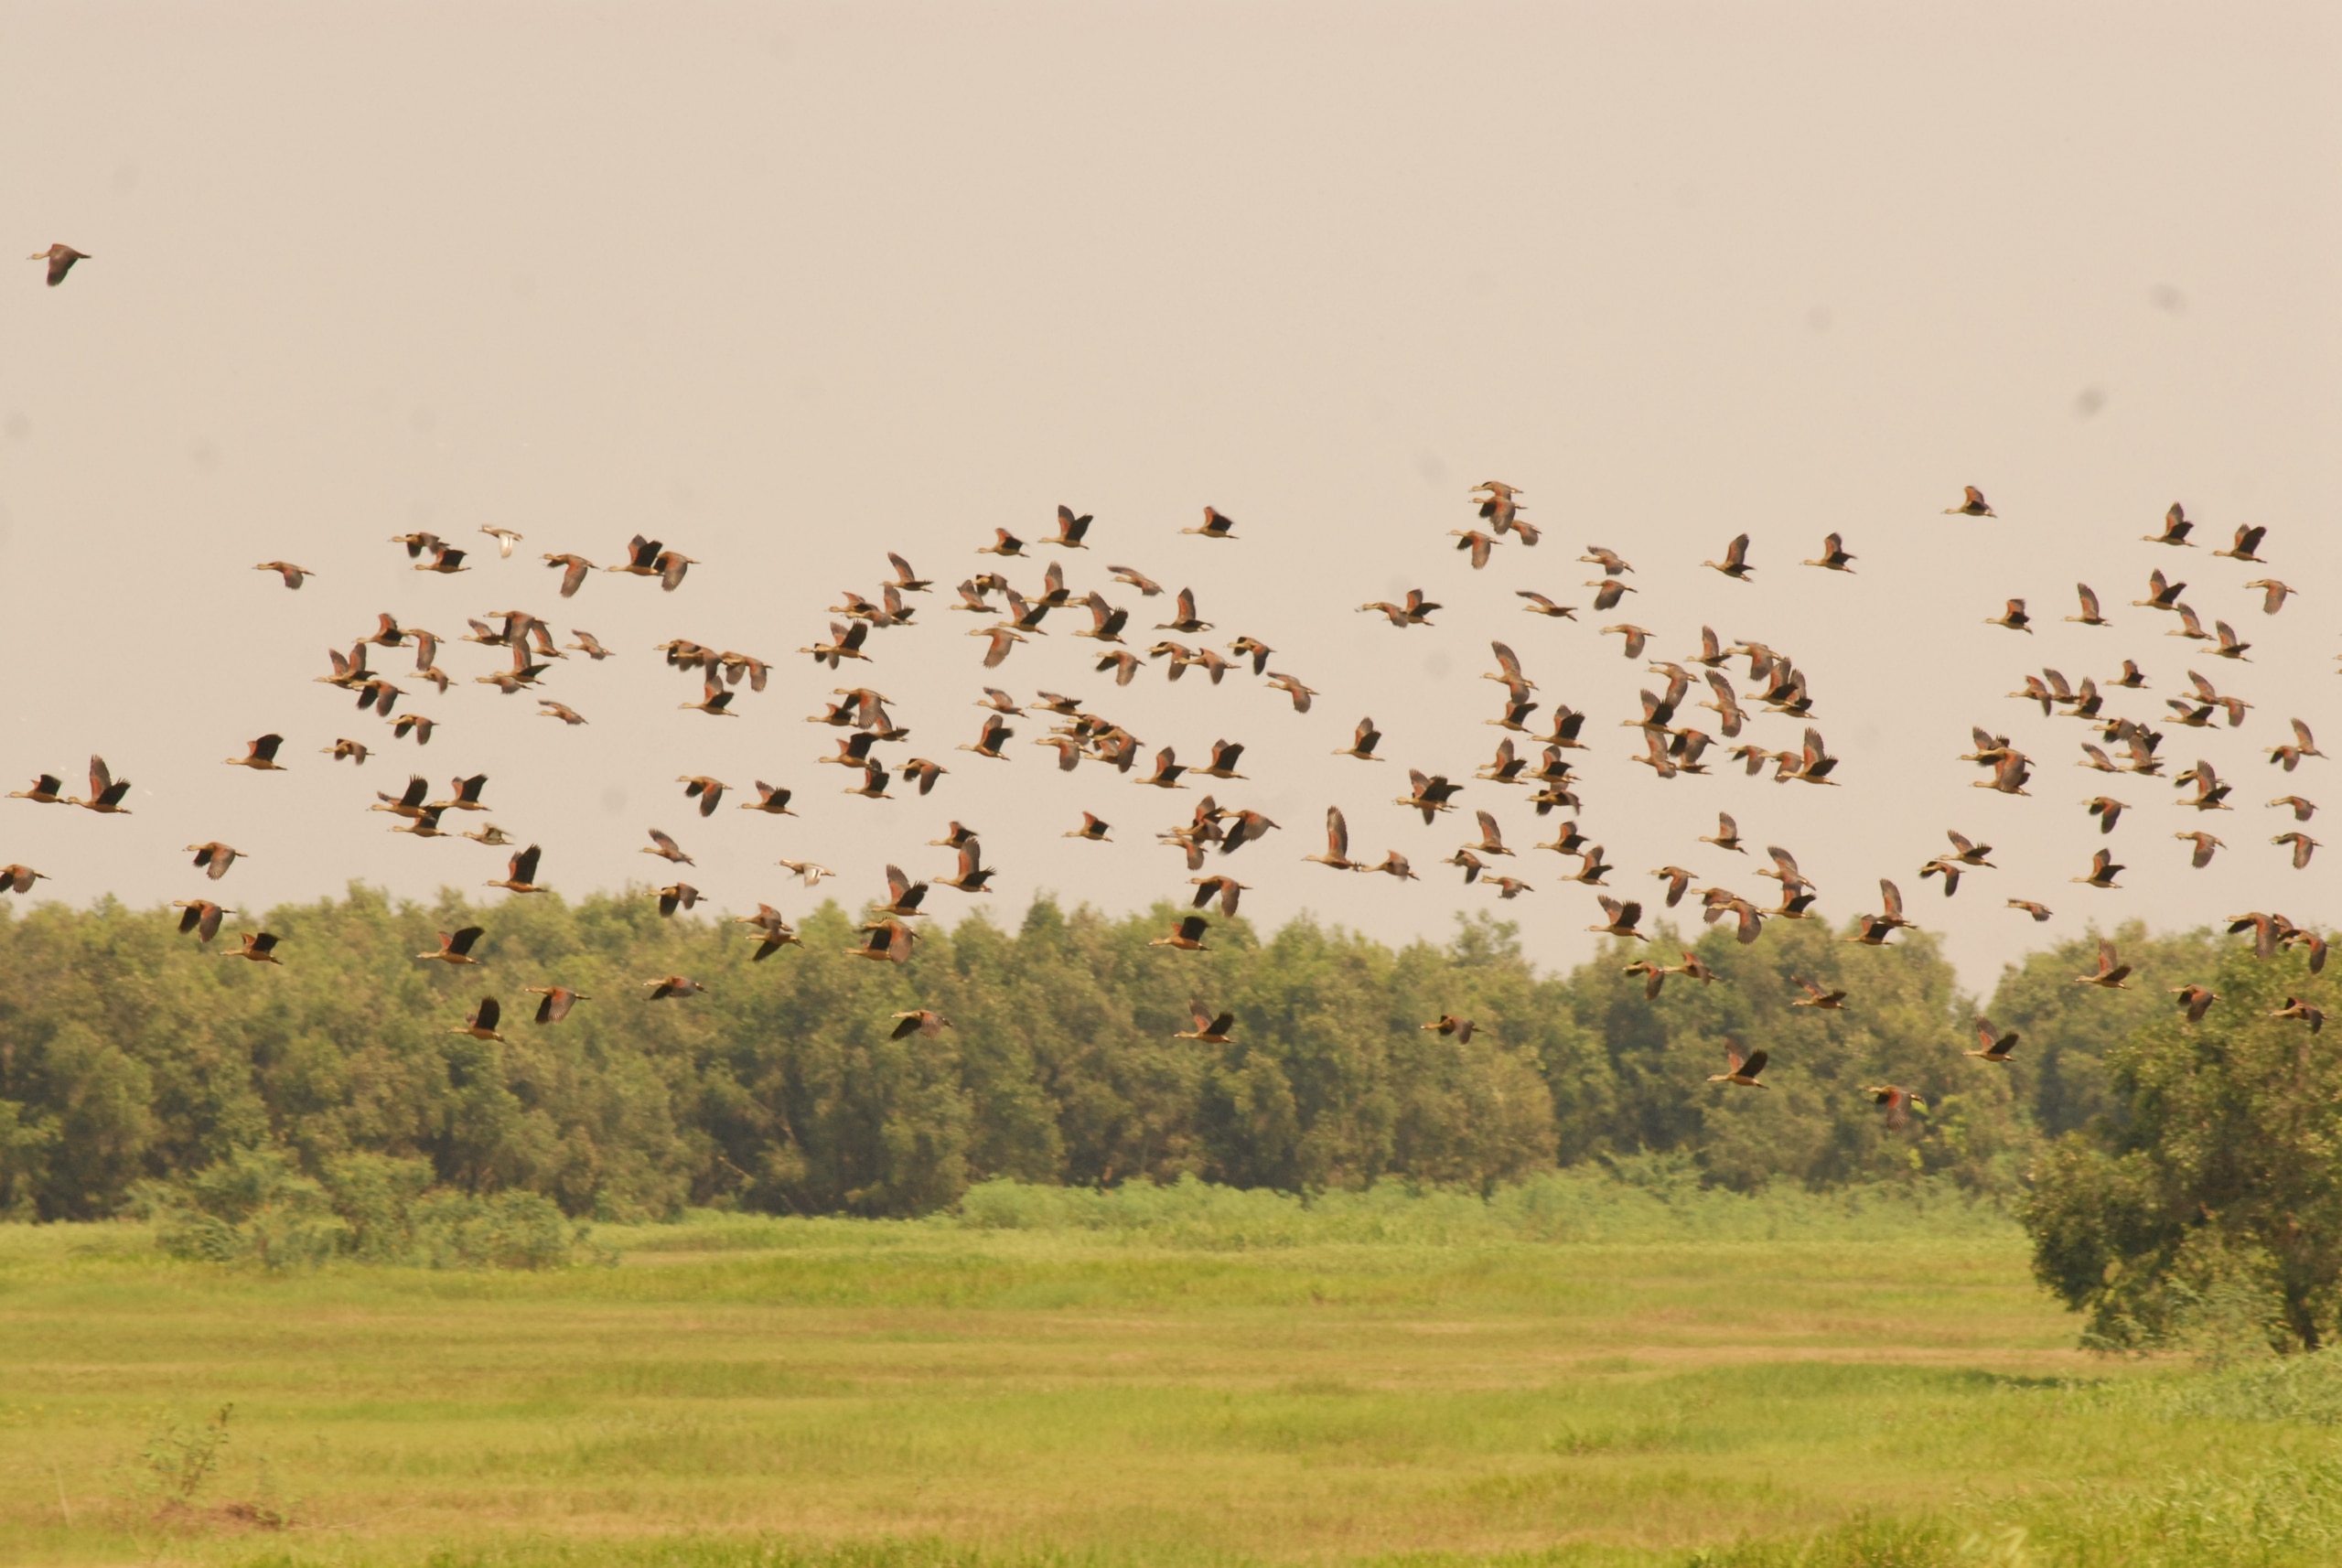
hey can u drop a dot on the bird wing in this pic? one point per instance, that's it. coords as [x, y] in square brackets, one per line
[1755, 1063]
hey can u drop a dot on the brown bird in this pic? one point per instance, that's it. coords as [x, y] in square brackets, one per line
[1415, 611]
[291, 574]
[1636, 637]
[1217, 525]
[1004, 543]
[2195, 1001]
[1741, 1070]
[467, 794]
[771, 799]
[586, 644]
[1971, 504]
[1734, 563]
[2102, 870]
[2176, 525]
[1188, 937]
[1000, 638]
[2110, 973]
[2295, 1007]
[2161, 594]
[558, 1001]
[574, 570]
[60, 257]
[201, 917]
[260, 947]
[213, 859]
[1071, 530]
[1292, 687]
[708, 791]
[924, 1021]
[2204, 845]
[1995, 1050]
[481, 1023]
[520, 871]
[1458, 1029]
[1608, 560]
[455, 947]
[1620, 918]
[1816, 997]
[2302, 846]
[2013, 617]
[674, 897]
[806, 870]
[1726, 836]
[2302, 810]
[1899, 1103]
[2247, 541]
[1833, 557]
[1227, 890]
[2273, 593]
[2107, 810]
[972, 874]
[1338, 843]
[666, 849]
[105, 791]
[2038, 911]
[1132, 577]
[1541, 605]
[43, 791]
[446, 560]
[774, 930]
[2089, 616]
[420, 727]
[1091, 828]
[1473, 540]
[669, 987]
[567, 714]
[1209, 1030]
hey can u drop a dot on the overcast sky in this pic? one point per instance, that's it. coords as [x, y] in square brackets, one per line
[790, 286]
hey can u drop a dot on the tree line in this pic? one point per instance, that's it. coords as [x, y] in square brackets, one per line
[130, 1053]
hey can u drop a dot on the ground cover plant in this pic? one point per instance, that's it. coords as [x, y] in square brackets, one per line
[1611, 1368]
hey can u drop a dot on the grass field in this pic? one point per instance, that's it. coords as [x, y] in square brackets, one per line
[1576, 1374]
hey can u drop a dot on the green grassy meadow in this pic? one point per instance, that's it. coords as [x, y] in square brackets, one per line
[1571, 1373]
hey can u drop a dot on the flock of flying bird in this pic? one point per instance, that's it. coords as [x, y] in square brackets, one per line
[1673, 747]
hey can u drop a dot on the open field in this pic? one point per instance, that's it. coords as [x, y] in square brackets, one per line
[1201, 1378]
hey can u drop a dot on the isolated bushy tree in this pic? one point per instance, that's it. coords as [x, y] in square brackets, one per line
[2216, 1176]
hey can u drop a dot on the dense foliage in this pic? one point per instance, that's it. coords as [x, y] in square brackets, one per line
[2209, 1197]
[130, 1053]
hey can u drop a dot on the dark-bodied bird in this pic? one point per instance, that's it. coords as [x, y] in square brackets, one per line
[456, 946]
[2204, 845]
[1619, 917]
[260, 947]
[575, 569]
[1971, 504]
[1188, 936]
[2195, 1001]
[558, 1001]
[520, 871]
[1209, 1030]
[1447, 1024]
[105, 791]
[2039, 912]
[214, 858]
[1741, 1070]
[201, 916]
[43, 791]
[1817, 997]
[1833, 557]
[1734, 563]
[481, 1023]
[2296, 1008]
[2013, 617]
[669, 987]
[774, 932]
[291, 574]
[1994, 1048]
[2175, 524]
[2110, 973]
[2302, 845]
[2102, 870]
[923, 1021]
[60, 257]
[666, 848]
[1217, 524]
[1899, 1103]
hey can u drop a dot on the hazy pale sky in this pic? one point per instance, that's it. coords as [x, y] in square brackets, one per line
[787, 286]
